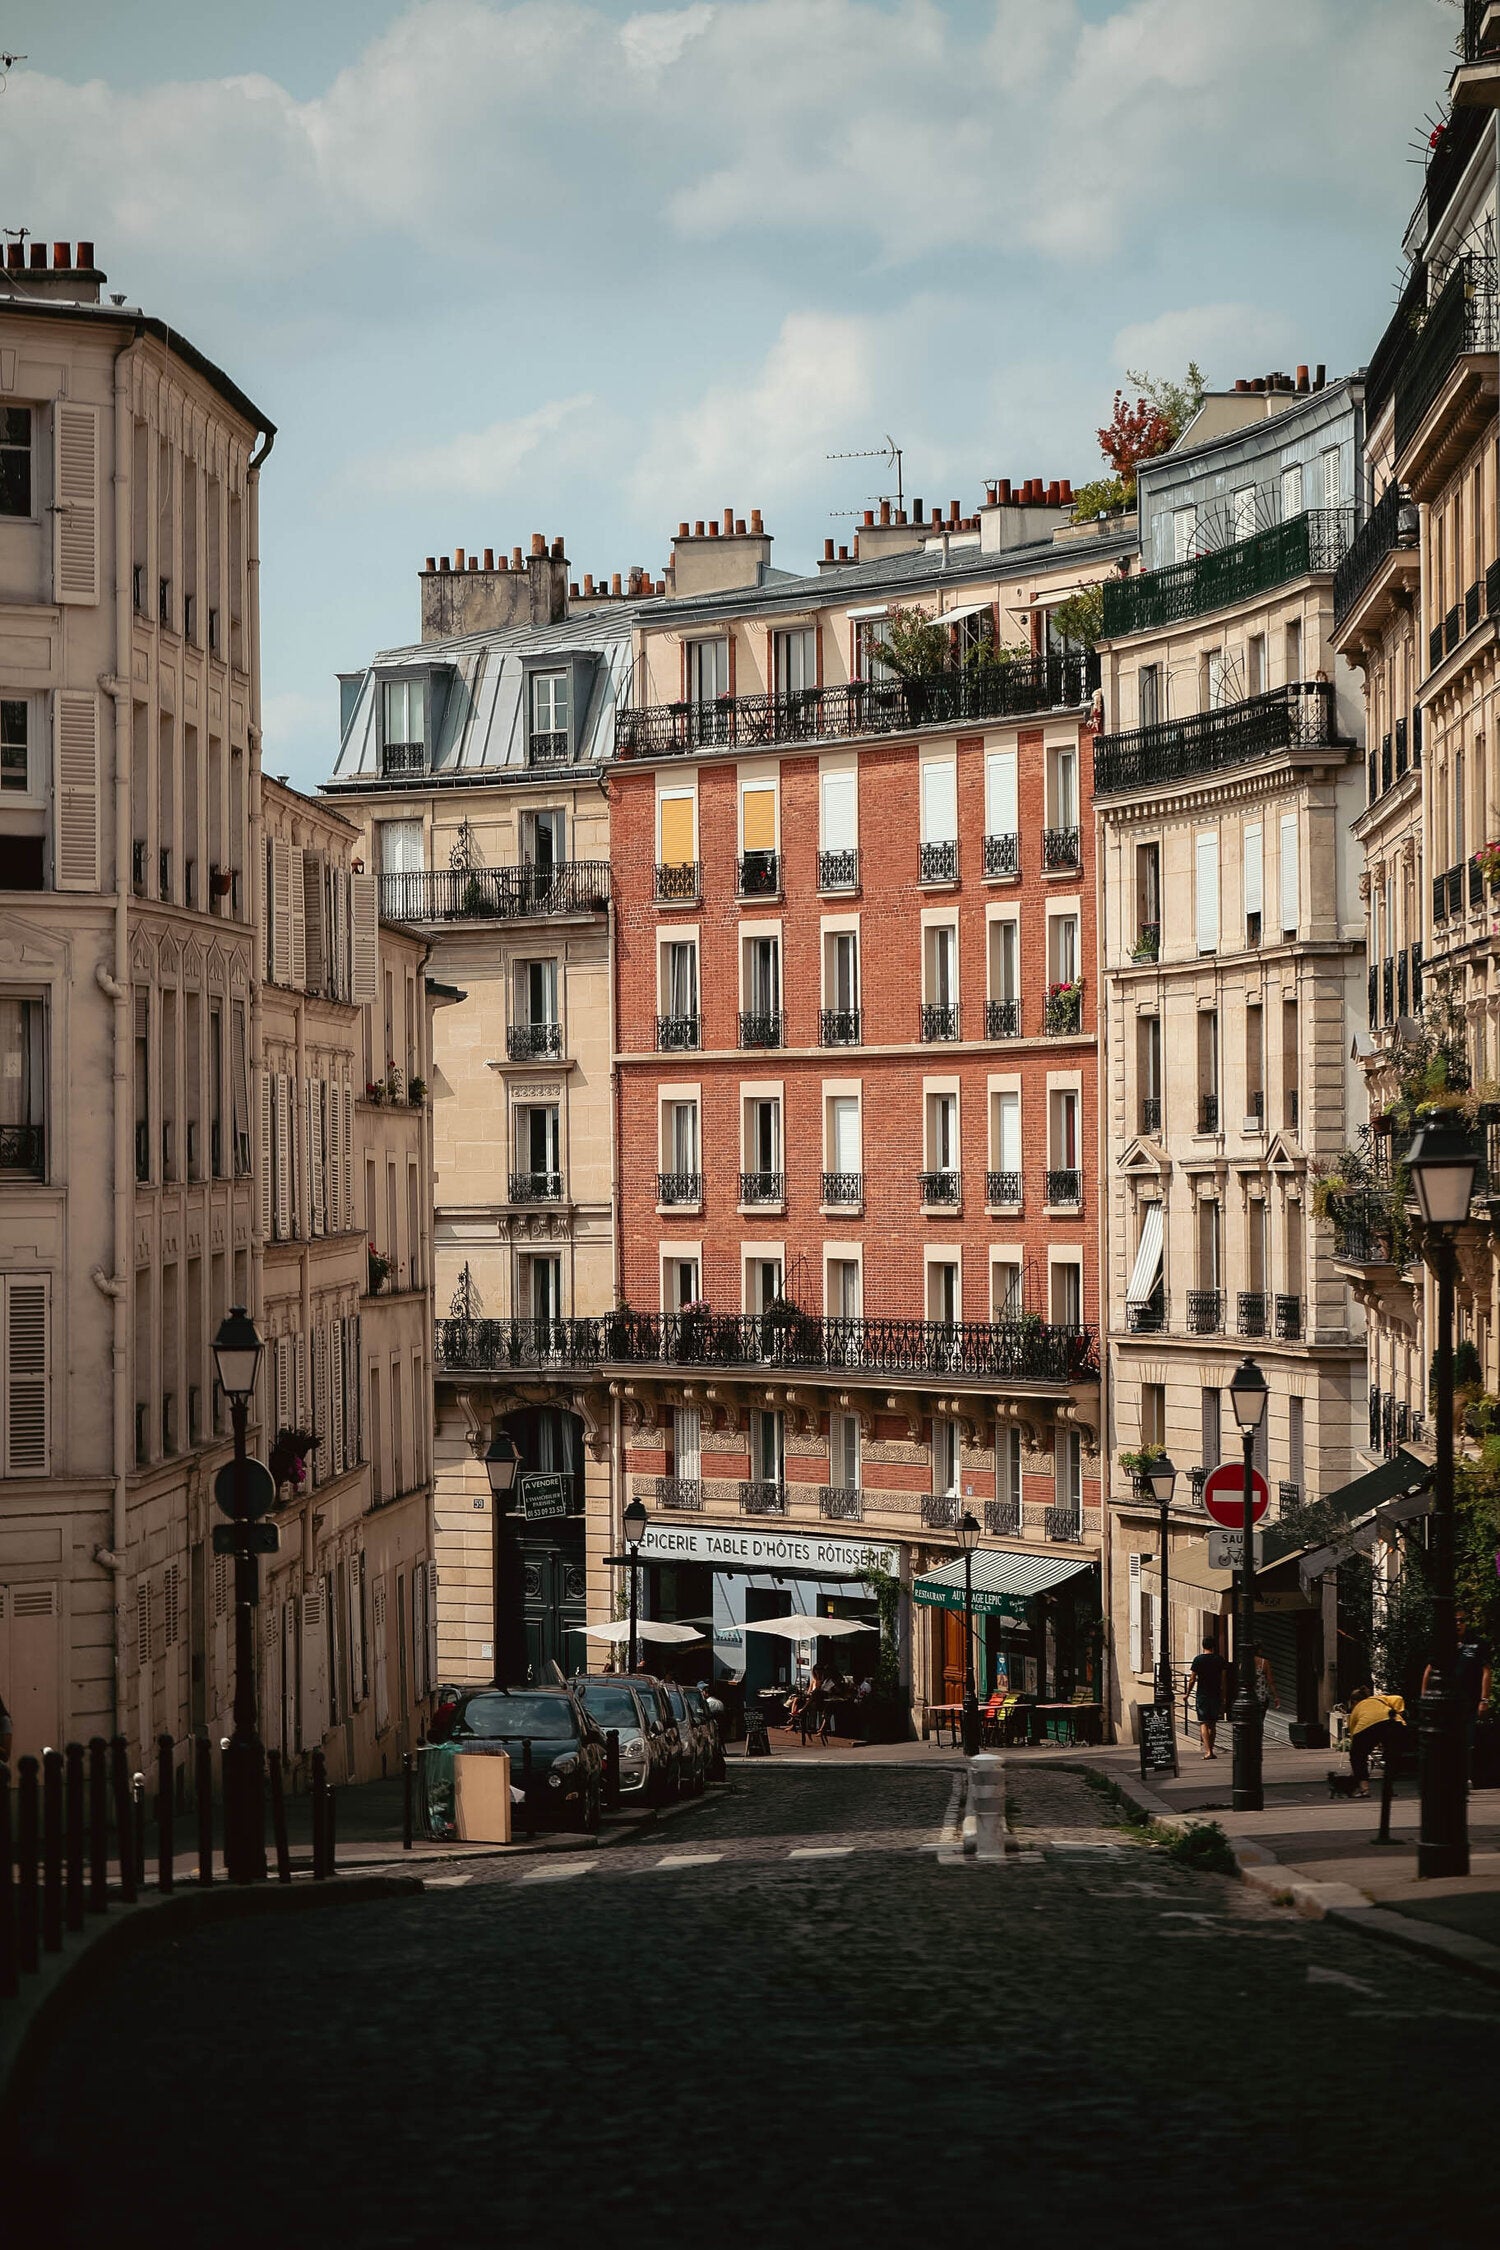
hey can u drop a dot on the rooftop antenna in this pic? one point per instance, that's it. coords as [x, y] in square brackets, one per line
[7, 63]
[890, 453]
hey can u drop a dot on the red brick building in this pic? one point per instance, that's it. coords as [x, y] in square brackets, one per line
[855, 1066]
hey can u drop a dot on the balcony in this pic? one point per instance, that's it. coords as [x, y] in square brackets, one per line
[841, 1503]
[761, 1027]
[846, 1190]
[1002, 1519]
[1064, 1189]
[1205, 1312]
[1002, 856]
[941, 1511]
[1063, 1014]
[1197, 1479]
[1022, 1350]
[536, 1187]
[1368, 1228]
[1462, 321]
[762, 1498]
[679, 1187]
[1002, 1019]
[680, 884]
[762, 1187]
[1448, 160]
[495, 894]
[937, 863]
[1065, 1525]
[1298, 717]
[548, 749]
[678, 1035]
[1252, 1312]
[1315, 541]
[533, 1042]
[940, 1190]
[1208, 1113]
[1062, 850]
[401, 760]
[1289, 1319]
[1448, 893]
[1147, 946]
[1288, 1495]
[838, 1027]
[1377, 537]
[863, 708]
[1150, 1113]
[683, 1495]
[1002, 1187]
[839, 870]
[23, 1151]
[1147, 1318]
[759, 875]
[939, 1020]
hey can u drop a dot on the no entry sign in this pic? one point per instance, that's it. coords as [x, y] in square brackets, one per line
[1224, 1495]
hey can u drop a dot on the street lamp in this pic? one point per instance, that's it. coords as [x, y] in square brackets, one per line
[1247, 1394]
[1162, 1478]
[968, 1539]
[635, 1531]
[1442, 1162]
[237, 1353]
[500, 1465]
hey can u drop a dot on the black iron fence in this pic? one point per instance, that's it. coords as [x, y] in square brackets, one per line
[1316, 540]
[495, 894]
[1463, 319]
[1298, 716]
[1369, 548]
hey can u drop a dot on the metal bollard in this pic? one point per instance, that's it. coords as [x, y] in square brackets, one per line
[26, 1855]
[1387, 1792]
[98, 1826]
[165, 1853]
[319, 1812]
[278, 1817]
[612, 1768]
[330, 1834]
[408, 1790]
[124, 1817]
[203, 1792]
[52, 1850]
[10, 1967]
[138, 1827]
[73, 1833]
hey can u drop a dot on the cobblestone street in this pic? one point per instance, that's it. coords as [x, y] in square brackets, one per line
[788, 2012]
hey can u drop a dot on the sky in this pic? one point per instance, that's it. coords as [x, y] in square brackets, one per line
[589, 269]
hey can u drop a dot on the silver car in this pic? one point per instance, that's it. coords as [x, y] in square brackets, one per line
[647, 1769]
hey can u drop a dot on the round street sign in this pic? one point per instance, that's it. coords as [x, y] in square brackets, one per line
[260, 1489]
[1224, 1495]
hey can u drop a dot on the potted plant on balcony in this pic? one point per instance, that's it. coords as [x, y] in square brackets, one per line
[1487, 860]
[1138, 1466]
[220, 882]
[374, 1091]
[916, 648]
[394, 1083]
[380, 1269]
[692, 1321]
[416, 1092]
[288, 1457]
[472, 900]
[1065, 1005]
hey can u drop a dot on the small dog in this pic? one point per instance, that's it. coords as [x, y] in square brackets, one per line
[1340, 1784]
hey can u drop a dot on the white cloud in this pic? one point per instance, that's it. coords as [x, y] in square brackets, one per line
[1226, 340]
[483, 463]
[652, 43]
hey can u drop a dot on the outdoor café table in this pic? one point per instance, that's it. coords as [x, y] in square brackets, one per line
[949, 1715]
[1066, 1722]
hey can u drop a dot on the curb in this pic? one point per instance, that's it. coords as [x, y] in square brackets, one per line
[66, 1980]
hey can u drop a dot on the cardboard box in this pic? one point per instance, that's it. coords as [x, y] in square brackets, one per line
[481, 1796]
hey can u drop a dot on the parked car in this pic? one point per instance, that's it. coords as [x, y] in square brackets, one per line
[653, 1694]
[567, 1750]
[691, 1714]
[645, 1759]
[711, 1717]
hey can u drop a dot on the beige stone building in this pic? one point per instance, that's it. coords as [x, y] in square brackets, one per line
[1233, 959]
[470, 762]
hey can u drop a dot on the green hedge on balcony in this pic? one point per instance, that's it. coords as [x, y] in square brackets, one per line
[1316, 540]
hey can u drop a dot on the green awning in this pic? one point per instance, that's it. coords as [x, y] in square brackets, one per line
[1004, 1582]
[1397, 1490]
[1402, 1473]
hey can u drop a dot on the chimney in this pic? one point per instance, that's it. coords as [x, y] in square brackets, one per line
[432, 562]
[458, 558]
[71, 277]
[470, 596]
[614, 585]
[713, 527]
[1054, 494]
[1320, 376]
[828, 550]
[916, 511]
[721, 557]
[1302, 382]
[757, 528]
[885, 511]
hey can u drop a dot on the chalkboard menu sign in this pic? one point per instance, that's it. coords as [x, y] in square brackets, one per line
[1158, 1740]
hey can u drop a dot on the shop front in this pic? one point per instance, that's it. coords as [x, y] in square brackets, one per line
[1038, 1632]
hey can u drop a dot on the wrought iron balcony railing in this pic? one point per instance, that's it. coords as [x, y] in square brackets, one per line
[1150, 1113]
[760, 1027]
[1148, 1317]
[1317, 540]
[846, 1189]
[1064, 1525]
[940, 1188]
[530, 1042]
[1299, 716]
[1064, 1188]
[1002, 1519]
[1002, 855]
[1002, 1187]
[1024, 1349]
[941, 1511]
[1462, 320]
[684, 1494]
[864, 707]
[1288, 1495]
[760, 1497]
[838, 1027]
[681, 880]
[939, 1019]
[397, 758]
[1208, 1113]
[679, 1187]
[841, 1503]
[1365, 1226]
[23, 1149]
[678, 1034]
[1002, 1019]
[495, 894]
[1252, 1312]
[1367, 550]
[760, 875]
[1289, 1319]
[1205, 1311]
[536, 1187]
[839, 870]
[549, 749]
[1063, 1013]
[937, 863]
[762, 1187]
[1197, 1479]
[1061, 848]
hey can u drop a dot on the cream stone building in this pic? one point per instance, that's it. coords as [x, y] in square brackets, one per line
[470, 763]
[1233, 955]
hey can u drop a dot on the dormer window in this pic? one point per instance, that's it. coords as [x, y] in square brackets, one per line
[403, 732]
[550, 718]
[15, 461]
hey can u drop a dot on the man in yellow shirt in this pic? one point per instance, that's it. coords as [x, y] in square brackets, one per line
[1373, 1720]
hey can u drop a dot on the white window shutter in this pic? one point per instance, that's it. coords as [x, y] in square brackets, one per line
[1001, 815]
[315, 923]
[430, 1598]
[1208, 891]
[356, 1577]
[299, 1355]
[1135, 1613]
[297, 902]
[419, 1632]
[75, 800]
[75, 544]
[314, 1712]
[23, 1421]
[320, 1403]
[1009, 1151]
[346, 1175]
[366, 938]
[266, 1155]
[840, 812]
[356, 1392]
[280, 908]
[335, 1157]
[1254, 870]
[283, 1156]
[1290, 902]
[336, 1397]
[939, 802]
[382, 1676]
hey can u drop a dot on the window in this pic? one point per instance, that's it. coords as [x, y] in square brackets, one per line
[1210, 1406]
[708, 670]
[680, 1138]
[23, 1375]
[940, 974]
[1255, 664]
[1148, 895]
[1007, 1292]
[942, 1133]
[767, 1447]
[1208, 1070]
[1184, 529]
[685, 1435]
[1153, 1413]
[1255, 1067]
[1291, 492]
[1062, 949]
[536, 992]
[1005, 1148]
[1333, 477]
[869, 638]
[944, 1456]
[15, 741]
[759, 870]
[676, 823]
[1207, 903]
[143, 1086]
[841, 1026]
[1289, 870]
[1216, 677]
[944, 1303]
[1067, 1293]
[1063, 1114]
[1243, 511]
[679, 1283]
[550, 707]
[1254, 881]
[939, 802]
[1008, 1471]
[1005, 977]
[1001, 816]
[762, 1283]
[1209, 1244]
[762, 1180]
[1069, 1445]
[838, 855]
[845, 1293]
[843, 1452]
[1062, 784]
[844, 1155]
[974, 633]
[15, 461]
[1148, 1071]
[400, 846]
[762, 974]
[542, 840]
[23, 1086]
[541, 1287]
[679, 981]
[404, 714]
[794, 661]
[537, 1150]
[1148, 695]
[1294, 649]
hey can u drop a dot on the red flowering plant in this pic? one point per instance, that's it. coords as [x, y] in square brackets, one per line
[1487, 860]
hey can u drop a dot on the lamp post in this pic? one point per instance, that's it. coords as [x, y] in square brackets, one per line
[1162, 1478]
[500, 1465]
[1248, 1394]
[968, 1539]
[1442, 1162]
[635, 1529]
[237, 1353]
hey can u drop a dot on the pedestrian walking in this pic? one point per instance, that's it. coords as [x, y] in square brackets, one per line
[1373, 1720]
[1474, 1678]
[1208, 1670]
[1265, 1679]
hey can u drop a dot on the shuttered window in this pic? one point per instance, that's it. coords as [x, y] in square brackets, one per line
[279, 904]
[1001, 816]
[267, 1155]
[315, 922]
[1208, 891]
[365, 918]
[758, 815]
[297, 909]
[840, 812]
[1254, 882]
[939, 802]
[75, 736]
[382, 1678]
[1289, 872]
[76, 503]
[24, 1374]
[677, 831]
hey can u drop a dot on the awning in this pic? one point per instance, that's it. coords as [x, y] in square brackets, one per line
[1004, 1582]
[1398, 1489]
[1146, 1272]
[874, 609]
[962, 609]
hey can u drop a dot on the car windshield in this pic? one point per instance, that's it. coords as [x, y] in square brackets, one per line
[612, 1706]
[679, 1706]
[543, 1718]
[695, 1703]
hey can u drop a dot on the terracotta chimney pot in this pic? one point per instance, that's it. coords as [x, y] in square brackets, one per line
[432, 562]
[62, 256]
[757, 528]
[828, 550]
[85, 254]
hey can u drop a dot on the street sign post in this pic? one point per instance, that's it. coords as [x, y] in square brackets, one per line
[544, 1495]
[1226, 1550]
[246, 1538]
[1224, 1495]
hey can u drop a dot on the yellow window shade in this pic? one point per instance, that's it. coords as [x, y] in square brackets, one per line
[760, 819]
[676, 831]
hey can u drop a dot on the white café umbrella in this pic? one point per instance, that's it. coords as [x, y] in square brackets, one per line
[799, 1627]
[647, 1629]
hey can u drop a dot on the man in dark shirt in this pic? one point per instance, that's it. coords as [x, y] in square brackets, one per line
[1473, 1676]
[1208, 1674]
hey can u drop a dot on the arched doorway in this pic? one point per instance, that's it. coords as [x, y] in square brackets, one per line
[542, 1564]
